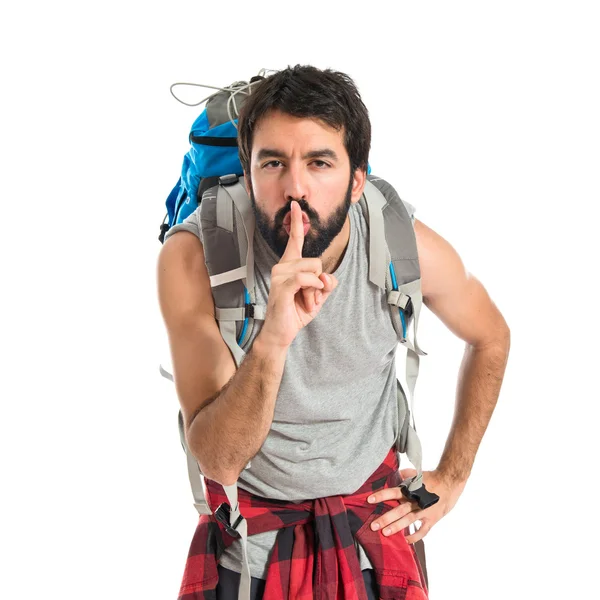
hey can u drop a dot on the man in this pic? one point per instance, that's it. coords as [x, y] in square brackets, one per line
[311, 406]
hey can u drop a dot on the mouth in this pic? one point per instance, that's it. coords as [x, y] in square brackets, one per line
[287, 222]
[288, 219]
[287, 228]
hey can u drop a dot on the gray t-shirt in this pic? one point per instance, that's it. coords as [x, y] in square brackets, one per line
[336, 413]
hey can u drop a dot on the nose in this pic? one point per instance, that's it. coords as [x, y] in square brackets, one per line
[295, 183]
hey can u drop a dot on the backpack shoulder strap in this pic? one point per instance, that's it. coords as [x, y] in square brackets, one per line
[392, 243]
[227, 222]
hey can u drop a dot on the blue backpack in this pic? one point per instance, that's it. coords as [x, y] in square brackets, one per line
[213, 149]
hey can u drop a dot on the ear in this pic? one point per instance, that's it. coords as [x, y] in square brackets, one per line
[359, 180]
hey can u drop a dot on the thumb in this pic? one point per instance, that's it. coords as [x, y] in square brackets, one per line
[407, 473]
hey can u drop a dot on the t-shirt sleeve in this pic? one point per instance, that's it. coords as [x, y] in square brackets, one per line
[191, 223]
[411, 210]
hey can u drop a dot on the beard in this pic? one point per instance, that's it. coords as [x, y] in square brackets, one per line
[319, 236]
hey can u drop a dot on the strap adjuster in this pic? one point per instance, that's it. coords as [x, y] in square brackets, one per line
[249, 311]
[228, 179]
[222, 515]
[402, 301]
[421, 496]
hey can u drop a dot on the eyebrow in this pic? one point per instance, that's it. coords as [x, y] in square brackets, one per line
[274, 153]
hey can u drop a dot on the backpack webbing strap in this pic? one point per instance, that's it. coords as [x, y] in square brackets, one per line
[228, 276]
[413, 289]
[237, 522]
[239, 314]
[194, 474]
[228, 333]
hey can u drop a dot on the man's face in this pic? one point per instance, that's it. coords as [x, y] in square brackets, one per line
[303, 160]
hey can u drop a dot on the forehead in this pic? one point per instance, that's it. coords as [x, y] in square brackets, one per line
[283, 131]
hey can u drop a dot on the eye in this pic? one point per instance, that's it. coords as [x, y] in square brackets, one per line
[272, 163]
[320, 164]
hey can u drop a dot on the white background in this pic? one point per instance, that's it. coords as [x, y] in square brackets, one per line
[485, 117]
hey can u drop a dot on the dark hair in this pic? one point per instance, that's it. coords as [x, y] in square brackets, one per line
[308, 92]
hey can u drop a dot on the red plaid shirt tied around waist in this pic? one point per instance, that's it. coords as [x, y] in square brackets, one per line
[314, 556]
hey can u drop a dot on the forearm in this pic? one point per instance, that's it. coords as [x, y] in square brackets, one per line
[479, 382]
[231, 429]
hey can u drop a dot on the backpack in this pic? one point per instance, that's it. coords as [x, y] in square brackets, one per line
[213, 149]
[227, 222]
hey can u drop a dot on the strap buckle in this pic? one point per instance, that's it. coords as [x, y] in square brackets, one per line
[409, 309]
[249, 311]
[421, 496]
[402, 301]
[228, 179]
[222, 515]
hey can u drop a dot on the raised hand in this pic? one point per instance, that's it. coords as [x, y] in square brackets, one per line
[299, 288]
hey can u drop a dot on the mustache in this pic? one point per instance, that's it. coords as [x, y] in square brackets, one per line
[312, 215]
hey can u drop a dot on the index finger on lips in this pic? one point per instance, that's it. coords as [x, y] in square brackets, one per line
[296, 239]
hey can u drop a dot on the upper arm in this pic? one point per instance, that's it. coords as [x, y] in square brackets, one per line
[453, 294]
[202, 362]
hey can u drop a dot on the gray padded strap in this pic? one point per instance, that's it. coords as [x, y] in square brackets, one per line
[194, 474]
[224, 214]
[239, 314]
[377, 244]
[242, 529]
[237, 192]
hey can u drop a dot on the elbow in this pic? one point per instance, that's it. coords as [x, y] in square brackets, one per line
[224, 478]
[212, 466]
[209, 454]
[219, 475]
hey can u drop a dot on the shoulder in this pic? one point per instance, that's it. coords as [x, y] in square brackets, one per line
[191, 224]
[452, 293]
[182, 276]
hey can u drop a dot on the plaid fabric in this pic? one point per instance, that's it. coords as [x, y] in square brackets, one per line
[314, 554]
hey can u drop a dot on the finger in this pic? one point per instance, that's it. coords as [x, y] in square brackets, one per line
[407, 473]
[420, 533]
[395, 514]
[400, 524]
[305, 281]
[296, 239]
[309, 299]
[330, 282]
[391, 493]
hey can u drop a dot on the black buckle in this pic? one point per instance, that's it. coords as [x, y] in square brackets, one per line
[163, 230]
[249, 311]
[222, 515]
[228, 179]
[408, 311]
[421, 496]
